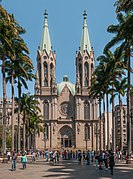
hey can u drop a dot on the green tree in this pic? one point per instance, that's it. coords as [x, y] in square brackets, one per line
[124, 38]
[29, 107]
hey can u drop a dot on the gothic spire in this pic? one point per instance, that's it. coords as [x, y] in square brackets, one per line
[85, 40]
[45, 41]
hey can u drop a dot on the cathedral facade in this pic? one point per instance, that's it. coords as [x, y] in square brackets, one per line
[69, 114]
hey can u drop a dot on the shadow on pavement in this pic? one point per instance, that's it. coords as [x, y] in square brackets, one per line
[72, 170]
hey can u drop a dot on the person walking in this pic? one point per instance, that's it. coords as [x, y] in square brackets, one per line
[92, 155]
[79, 157]
[111, 162]
[96, 159]
[88, 158]
[24, 160]
[13, 161]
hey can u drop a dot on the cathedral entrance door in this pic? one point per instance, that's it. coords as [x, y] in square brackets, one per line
[66, 142]
[66, 137]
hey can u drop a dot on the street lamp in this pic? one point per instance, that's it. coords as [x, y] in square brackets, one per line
[45, 138]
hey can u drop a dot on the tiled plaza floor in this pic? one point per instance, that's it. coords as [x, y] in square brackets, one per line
[65, 170]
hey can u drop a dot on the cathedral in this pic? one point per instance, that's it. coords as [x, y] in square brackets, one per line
[69, 114]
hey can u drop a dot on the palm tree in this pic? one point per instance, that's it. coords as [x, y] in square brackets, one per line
[28, 108]
[22, 71]
[8, 32]
[35, 128]
[123, 36]
[109, 70]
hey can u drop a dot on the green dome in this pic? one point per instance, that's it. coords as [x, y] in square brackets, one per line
[67, 83]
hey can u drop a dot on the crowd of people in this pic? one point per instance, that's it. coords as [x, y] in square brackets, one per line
[102, 159]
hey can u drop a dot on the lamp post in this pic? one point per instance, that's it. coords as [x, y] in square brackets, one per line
[45, 138]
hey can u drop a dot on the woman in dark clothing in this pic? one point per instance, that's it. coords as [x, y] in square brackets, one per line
[111, 162]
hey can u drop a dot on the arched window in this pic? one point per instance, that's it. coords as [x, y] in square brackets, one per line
[80, 73]
[87, 132]
[45, 69]
[46, 110]
[51, 81]
[51, 69]
[86, 110]
[39, 70]
[45, 74]
[86, 82]
[45, 82]
[86, 74]
[45, 131]
[92, 68]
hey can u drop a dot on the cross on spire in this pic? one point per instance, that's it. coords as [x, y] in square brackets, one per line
[45, 14]
[85, 14]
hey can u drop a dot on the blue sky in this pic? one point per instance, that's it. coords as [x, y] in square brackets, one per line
[65, 20]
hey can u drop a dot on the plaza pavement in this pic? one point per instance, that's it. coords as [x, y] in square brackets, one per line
[69, 169]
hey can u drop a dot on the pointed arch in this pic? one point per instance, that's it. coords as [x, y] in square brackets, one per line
[86, 110]
[45, 66]
[66, 136]
[52, 69]
[80, 73]
[45, 69]
[45, 82]
[51, 81]
[46, 110]
[39, 70]
[87, 132]
[86, 74]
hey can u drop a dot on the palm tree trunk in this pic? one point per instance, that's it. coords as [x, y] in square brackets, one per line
[19, 96]
[28, 134]
[128, 107]
[24, 140]
[113, 124]
[12, 117]
[121, 124]
[104, 141]
[100, 116]
[34, 143]
[108, 136]
[4, 106]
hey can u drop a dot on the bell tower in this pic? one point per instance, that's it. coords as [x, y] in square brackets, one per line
[84, 61]
[46, 64]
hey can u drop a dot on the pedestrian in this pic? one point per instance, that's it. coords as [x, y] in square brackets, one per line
[96, 159]
[79, 156]
[83, 155]
[88, 158]
[24, 160]
[57, 156]
[13, 161]
[100, 160]
[46, 154]
[8, 155]
[111, 162]
[92, 155]
[33, 157]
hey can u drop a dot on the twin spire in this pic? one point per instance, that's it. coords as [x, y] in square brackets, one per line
[46, 41]
[85, 40]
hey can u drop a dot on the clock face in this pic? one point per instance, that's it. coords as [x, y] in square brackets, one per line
[66, 108]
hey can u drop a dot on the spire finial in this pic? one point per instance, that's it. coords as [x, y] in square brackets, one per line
[85, 14]
[45, 14]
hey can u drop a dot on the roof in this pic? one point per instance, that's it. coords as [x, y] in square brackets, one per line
[67, 83]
